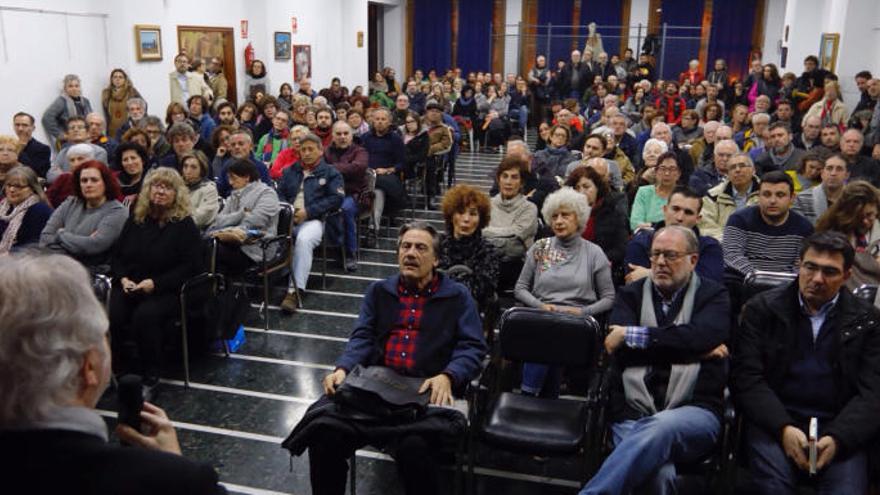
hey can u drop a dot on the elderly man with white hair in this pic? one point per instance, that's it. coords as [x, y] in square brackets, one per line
[663, 132]
[715, 171]
[76, 133]
[739, 190]
[703, 147]
[565, 274]
[54, 366]
[755, 137]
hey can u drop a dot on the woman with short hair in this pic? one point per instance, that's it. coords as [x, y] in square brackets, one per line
[86, 224]
[10, 147]
[830, 109]
[564, 273]
[24, 210]
[70, 103]
[134, 160]
[647, 207]
[465, 255]
[157, 251]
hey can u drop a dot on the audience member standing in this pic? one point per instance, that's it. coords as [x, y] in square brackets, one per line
[114, 100]
[71, 103]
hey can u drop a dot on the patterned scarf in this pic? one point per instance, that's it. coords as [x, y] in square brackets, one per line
[269, 147]
[13, 221]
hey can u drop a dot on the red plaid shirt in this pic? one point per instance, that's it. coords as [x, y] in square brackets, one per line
[400, 348]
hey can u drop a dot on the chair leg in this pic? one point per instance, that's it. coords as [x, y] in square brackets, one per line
[184, 340]
[266, 299]
[352, 474]
[324, 265]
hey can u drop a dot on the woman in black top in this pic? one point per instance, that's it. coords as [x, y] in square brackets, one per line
[156, 253]
[133, 159]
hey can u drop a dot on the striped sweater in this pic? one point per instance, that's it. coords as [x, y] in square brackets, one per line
[751, 244]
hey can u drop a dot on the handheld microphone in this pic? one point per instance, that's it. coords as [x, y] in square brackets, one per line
[131, 401]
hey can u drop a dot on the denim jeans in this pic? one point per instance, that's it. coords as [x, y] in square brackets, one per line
[774, 473]
[647, 449]
[541, 380]
[350, 213]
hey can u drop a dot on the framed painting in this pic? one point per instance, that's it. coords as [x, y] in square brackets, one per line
[206, 43]
[282, 45]
[828, 51]
[148, 42]
[302, 62]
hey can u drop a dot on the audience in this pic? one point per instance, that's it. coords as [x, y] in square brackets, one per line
[386, 151]
[350, 160]
[738, 191]
[779, 153]
[647, 207]
[133, 159]
[203, 195]
[813, 202]
[808, 173]
[715, 171]
[71, 103]
[32, 153]
[24, 210]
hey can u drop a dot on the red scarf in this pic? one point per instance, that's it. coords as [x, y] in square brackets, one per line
[589, 233]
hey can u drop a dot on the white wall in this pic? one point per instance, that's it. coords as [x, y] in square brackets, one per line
[37, 54]
[774, 29]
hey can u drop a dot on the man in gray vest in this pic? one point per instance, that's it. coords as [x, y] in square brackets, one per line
[669, 368]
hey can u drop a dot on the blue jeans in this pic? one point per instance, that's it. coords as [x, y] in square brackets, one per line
[521, 115]
[350, 213]
[646, 450]
[541, 379]
[774, 473]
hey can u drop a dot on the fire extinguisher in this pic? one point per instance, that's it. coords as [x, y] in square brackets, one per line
[248, 55]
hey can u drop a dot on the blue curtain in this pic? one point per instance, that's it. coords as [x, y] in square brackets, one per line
[677, 53]
[557, 13]
[474, 31]
[731, 38]
[432, 35]
[603, 13]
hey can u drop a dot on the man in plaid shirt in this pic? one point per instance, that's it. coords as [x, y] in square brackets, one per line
[419, 323]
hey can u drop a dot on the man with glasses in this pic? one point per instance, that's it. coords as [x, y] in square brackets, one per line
[738, 191]
[780, 153]
[667, 338]
[276, 139]
[76, 132]
[809, 350]
[714, 173]
[683, 210]
[813, 202]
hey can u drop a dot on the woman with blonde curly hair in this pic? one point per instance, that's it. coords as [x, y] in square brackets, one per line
[466, 256]
[156, 252]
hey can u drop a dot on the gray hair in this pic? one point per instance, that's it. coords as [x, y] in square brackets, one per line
[69, 78]
[760, 117]
[136, 101]
[81, 149]
[152, 120]
[51, 319]
[567, 197]
[423, 226]
[312, 138]
[727, 142]
[519, 143]
[743, 155]
[181, 129]
[690, 238]
[655, 142]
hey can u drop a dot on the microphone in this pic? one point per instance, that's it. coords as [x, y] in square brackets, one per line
[131, 401]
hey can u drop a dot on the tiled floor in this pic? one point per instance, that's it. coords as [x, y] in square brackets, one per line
[238, 409]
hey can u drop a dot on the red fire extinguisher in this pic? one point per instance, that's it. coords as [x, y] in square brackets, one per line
[248, 55]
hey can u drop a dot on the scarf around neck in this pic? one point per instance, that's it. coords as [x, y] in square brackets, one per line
[13, 221]
[269, 147]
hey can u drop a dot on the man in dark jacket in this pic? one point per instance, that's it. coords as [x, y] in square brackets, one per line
[435, 333]
[575, 77]
[810, 350]
[315, 189]
[34, 154]
[666, 335]
[350, 160]
[683, 209]
[51, 438]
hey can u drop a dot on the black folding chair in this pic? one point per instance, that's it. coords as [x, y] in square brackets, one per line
[523, 424]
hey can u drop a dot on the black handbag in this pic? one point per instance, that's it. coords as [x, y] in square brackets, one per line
[226, 311]
[377, 392]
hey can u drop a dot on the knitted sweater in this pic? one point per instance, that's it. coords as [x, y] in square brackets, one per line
[512, 225]
[87, 234]
[477, 254]
[566, 272]
[751, 244]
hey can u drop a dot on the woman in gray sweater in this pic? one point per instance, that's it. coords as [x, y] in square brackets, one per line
[563, 273]
[87, 224]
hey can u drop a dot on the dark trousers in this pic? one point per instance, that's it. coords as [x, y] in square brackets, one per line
[231, 260]
[141, 319]
[330, 451]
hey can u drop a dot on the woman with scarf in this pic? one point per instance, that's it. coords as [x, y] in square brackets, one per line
[465, 255]
[70, 103]
[379, 91]
[563, 273]
[539, 86]
[256, 79]
[24, 210]
[276, 139]
[133, 158]
[202, 190]
[114, 100]
[285, 97]
[830, 109]
[464, 111]
[289, 155]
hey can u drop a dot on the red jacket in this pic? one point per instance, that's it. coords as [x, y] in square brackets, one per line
[285, 158]
[671, 108]
[695, 77]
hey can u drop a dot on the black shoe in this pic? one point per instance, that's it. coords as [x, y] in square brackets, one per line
[372, 239]
[151, 389]
[351, 264]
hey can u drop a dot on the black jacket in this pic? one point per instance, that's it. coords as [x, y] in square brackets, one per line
[611, 228]
[37, 156]
[585, 79]
[674, 344]
[764, 351]
[49, 462]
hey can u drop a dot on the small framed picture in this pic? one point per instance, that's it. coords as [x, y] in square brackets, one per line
[148, 42]
[282, 45]
[828, 51]
[302, 62]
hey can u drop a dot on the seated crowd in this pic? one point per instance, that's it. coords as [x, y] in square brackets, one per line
[646, 204]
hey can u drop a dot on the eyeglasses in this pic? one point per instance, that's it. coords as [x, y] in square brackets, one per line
[811, 268]
[669, 256]
[667, 170]
[161, 186]
[736, 166]
[15, 186]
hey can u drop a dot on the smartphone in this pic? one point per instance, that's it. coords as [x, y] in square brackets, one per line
[812, 439]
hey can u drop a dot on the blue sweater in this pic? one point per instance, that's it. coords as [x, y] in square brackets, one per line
[385, 151]
[710, 265]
